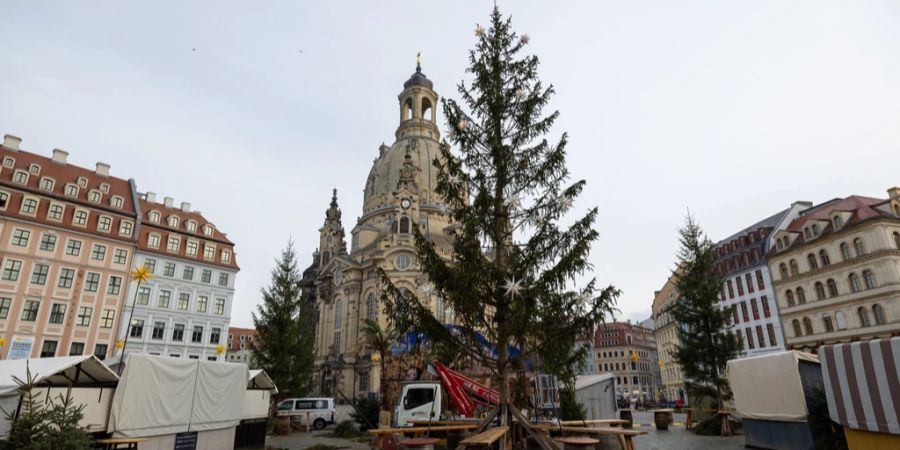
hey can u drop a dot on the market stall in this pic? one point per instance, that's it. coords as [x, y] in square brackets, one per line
[862, 384]
[597, 393]
[251, 432]
[771, 394]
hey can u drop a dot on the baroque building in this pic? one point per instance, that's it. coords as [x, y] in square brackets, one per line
[628, 351]
[836, 270]
[399, 195]
[741, 259]
[184, 310]
[665, 332]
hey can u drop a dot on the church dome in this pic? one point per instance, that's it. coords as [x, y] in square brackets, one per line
[418, 79]
[384, 177]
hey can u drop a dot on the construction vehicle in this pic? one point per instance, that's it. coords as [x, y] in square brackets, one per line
[423, 400]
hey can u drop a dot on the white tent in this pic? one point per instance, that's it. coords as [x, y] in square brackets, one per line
[160, 396]
[768, 387]
[259, 379]
[85, 374]
[597, 393]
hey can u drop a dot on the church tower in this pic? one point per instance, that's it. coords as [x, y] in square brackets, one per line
[398, 198]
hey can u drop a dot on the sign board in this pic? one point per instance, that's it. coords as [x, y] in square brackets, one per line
[186, 441]
[20, 347]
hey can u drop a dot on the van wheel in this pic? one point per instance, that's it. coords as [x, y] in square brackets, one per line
[319, 424]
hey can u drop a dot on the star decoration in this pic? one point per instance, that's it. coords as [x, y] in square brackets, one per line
[520, 94]
[479, 31]
[524, 39]
[427, 288]
[141, 274]
[513, 287]
[462, 125]
[567, 203]
[513, 203]
[220, 349]
[584, 298]
[453, 179]
[120, 345]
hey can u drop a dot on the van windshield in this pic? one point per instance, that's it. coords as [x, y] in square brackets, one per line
[285, 406]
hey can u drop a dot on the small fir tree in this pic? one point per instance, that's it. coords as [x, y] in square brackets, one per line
[514, 269]
[285, 338]
[705, 339]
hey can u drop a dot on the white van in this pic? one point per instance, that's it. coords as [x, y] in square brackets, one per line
[320, 410]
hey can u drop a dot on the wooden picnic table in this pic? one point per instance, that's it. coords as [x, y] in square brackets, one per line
[426, 422]
[575, 423]
[484, 439]
[381, 434]
[116, 443]
[624, 436]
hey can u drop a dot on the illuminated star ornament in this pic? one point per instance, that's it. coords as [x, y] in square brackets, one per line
[462, 125]
[141, 274]
[2, 342]
[120, 345]
[513, 203]
[524, 39]
[513, 287]
[566, 203]
[520, 94]
[479, 31]
[220, 349]
[427, 288]
[453, 179]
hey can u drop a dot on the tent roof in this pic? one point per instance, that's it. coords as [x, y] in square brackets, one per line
[259, 379]
[55, 372]
[583, 381]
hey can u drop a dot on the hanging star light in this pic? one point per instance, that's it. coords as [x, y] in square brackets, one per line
[479, 31]
[513, 287]
[634, 356]
[141, 274]
[524, 39]
[454, 179]
[462, 125]
[520, 93]
[220, 349]
[120, 345]
[567, 203]
[513, 203]
[427, 288]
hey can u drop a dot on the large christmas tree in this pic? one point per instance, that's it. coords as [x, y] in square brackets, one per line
[705, 340]
[285, 335]
[515, 270]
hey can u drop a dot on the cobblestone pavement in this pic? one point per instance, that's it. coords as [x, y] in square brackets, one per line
[675, 438]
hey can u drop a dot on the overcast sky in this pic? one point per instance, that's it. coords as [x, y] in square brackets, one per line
[254, 111]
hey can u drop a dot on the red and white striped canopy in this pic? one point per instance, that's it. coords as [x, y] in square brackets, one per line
[862, 382]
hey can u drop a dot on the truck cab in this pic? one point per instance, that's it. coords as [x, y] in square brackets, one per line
[419, 400]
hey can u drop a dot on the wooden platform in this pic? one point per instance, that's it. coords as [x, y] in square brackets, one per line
[484, 439]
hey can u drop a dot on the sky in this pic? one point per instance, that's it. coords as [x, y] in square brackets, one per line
[254, 111]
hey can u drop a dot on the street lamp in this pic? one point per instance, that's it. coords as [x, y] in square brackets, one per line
[141, 274]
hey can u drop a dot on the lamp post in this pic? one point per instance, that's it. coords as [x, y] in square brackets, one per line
[141, 274]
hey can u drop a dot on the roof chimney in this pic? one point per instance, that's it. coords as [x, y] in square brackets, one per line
[150, 197]
[185, 206]
[894, 193]
[169, 202]
[60, 156]
[11, 142]
[102, 169]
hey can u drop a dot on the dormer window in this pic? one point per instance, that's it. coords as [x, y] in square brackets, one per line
[34, 169]
[94, 196]
[838, 222]
[191, 226]
[226, 256]
[806, 233]
[208, 229]
[82, 182]
[173, 221]
[116, 201]
[173, 245]
[104, 188]
[71, 190]
[20, 177]
[209, 251]
[104, 224]
[9, 162]
[153, 240]
[46, 184]
[815, 229]
[153, 216]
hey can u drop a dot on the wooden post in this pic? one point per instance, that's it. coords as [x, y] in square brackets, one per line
[307, 421]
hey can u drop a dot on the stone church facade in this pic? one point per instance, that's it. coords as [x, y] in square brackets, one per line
[399, 196]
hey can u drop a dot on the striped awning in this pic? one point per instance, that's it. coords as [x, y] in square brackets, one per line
[862, 382]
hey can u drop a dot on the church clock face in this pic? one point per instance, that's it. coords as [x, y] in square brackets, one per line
[405, 203]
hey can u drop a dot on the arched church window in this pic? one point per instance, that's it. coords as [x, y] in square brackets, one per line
[404, 225]
[370, 307]
[408, 109]
[426, 109]
[337, 325]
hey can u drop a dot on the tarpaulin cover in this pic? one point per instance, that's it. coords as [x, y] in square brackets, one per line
[862, 384]
[159, 395]
[769, 387]
[54, 372]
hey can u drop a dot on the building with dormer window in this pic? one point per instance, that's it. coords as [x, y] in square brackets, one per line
[399, 196]
[836, 271]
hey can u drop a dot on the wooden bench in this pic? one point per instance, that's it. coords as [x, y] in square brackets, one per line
[380, 435]
[576, 423]
[624, 436]
[483, 439]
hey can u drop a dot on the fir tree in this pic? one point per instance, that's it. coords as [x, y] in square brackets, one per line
[514, 271]
[285, 338]
[706, 342]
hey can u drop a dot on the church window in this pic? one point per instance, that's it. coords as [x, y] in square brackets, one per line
[370, 307]
[403, 261]
[426, 109]
[337, 325]
[404, 225]
[408, 109]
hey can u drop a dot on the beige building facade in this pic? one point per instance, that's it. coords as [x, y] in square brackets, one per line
[399, 196]
[665, 332]
[67, 239]
[837, 272]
